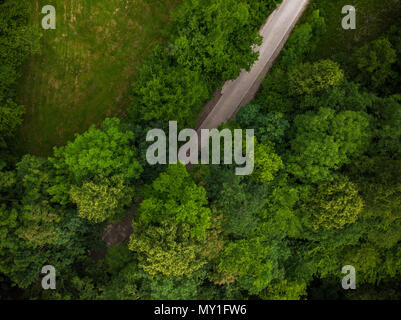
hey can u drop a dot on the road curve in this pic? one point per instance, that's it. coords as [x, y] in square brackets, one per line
[237, 93]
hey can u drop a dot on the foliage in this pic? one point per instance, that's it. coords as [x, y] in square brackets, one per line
[374, 61]
[260, 9]
[167, 248]
[174, 194]
[303, 40]
[267, 162]
[170, 288]
[325, 191]
[256, 260]
[312, 78]
[214, 38]
[108, 151]
[102, 198]
[331, 206]
[325, 141]
[39, 225]
[162, 91]
[18, 40]
[211, 42]
[105, 152]
[268, 127]
[10, 117]
[117, 257]
[285, 290]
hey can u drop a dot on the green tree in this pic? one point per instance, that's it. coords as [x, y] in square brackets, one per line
[302, 40]
[117, 257]
[175, 288]
[165, 92]
[267, 162]
[240, 203]
[324, 141]
[108, 151]
[174, 194]
[347, 96]
[131, 283]
[248, 257]
[260, 9]
[333, 205]
[10, 117]
[102, 199]
[388, 126]
[377, 179]
[310, 78]
[215, 38]
[285, 290]
[268, 127]
[374, 61]
[35, 176]
[33, 236]
[167, 248]
[39, 225]
[18, 40]
[257, 260]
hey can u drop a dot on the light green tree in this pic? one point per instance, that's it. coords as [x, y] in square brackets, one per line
[175, 194]
[284, 290]
[324, 141]
[107, 151]
[334, 205]
[267, 162]
[102, 199]
[167, 248]
[312, 78]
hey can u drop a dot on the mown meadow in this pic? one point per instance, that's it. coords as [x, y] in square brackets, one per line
[85, 66]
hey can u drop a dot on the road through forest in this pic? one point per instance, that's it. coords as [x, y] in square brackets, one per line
[237, 93]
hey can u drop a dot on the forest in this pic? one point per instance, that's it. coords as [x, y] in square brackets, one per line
[325, 191]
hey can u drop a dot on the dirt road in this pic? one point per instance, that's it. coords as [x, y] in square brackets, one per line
[237, 93]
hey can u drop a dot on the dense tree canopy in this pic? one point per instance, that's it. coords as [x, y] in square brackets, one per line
[108, 152]
[174, 194]
[312, 78]
[102, 198]
[374, 62]
[333, 205]
[324, 141]
[325, 191]
[215, 38]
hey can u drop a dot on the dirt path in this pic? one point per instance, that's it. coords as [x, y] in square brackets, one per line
[117, 233]
[237, 93]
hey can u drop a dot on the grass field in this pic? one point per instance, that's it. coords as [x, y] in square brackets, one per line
[373, 17]
[86, 65]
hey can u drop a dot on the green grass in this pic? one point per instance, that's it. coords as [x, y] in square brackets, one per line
[86, 66]
[373, 17]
